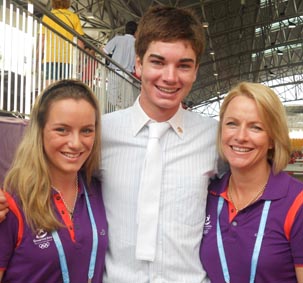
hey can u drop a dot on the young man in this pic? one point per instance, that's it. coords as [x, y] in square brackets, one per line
[169, 46]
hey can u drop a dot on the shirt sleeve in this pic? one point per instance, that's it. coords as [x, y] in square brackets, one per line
[77, 25]
[8, 238]
[110, 46]
[296, 237]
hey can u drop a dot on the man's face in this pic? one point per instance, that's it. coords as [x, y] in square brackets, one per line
[167, 73]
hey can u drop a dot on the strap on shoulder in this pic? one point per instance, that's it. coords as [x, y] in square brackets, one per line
[15, 209]
[291, 214]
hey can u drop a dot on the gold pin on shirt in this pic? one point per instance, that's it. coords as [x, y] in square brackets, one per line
[180, 130]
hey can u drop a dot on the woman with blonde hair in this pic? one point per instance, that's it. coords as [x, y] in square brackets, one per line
[56, 229]
[254, 219]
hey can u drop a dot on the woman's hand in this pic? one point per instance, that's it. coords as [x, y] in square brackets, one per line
[3, 206]
[299, 273]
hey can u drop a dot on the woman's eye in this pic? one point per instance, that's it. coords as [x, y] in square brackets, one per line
[257, 128]
[88, 131]
[61, 130]
[230, 123]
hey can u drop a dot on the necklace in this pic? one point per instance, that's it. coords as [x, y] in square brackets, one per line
[229, 194]
[68, 208]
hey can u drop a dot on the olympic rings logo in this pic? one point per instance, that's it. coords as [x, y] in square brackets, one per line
[44, 245]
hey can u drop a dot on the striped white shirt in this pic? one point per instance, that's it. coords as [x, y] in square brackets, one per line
[189, 159]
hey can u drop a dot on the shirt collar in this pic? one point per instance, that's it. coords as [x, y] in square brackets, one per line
[140, 119]
[276, 187]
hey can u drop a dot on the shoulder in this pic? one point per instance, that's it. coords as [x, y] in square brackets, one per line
[116, 117]
[114, 39]
[74, 16]
[115, 124]
[218, 184]
[196, 119]
[14, 219]
[96, 183]
[69, 13]
[285, 184]
[294, 201]
[201, 128]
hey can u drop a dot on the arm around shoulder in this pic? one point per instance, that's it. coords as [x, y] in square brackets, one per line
[1, 274]
[299, 273]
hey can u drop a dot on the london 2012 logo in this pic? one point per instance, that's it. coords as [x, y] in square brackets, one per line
[42, 239]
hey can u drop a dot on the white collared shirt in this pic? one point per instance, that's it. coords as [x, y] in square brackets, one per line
[189, 159]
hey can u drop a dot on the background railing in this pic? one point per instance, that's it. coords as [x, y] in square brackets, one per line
[23, 68]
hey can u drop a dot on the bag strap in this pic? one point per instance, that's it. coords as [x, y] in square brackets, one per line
[15, 209]
[291, 214]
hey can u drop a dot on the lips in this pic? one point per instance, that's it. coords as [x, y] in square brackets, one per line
[240, 149]
[71, 155]
[168, 90]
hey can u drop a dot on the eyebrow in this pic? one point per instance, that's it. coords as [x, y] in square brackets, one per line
[63, 124]
[183, 60]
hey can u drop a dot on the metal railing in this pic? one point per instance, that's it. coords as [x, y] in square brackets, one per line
[23, 69]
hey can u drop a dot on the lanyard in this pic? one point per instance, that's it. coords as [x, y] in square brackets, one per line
[62, 258]
[257, 247]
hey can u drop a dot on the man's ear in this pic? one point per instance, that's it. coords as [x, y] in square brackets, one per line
[138, 66]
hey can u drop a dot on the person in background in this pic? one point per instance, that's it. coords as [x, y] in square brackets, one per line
[121, 49]
[254, 219]
[169, 45]
[89, 66]
[57, 48]
[56, 229]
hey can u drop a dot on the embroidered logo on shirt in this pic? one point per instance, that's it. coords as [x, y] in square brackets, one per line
[207, 225]
[41, 239]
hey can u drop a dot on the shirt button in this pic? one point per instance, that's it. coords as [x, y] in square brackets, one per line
[234, 223]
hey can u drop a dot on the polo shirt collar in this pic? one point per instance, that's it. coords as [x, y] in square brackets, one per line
[140, 119]
[276, 187]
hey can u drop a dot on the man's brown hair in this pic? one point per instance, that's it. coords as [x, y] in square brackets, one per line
[169, 24]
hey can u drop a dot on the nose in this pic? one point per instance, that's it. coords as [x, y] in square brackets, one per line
[169, 74]
[74, 140]
[241, 134]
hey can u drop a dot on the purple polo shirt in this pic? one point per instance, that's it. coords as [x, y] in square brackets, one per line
[278, 255]
[36, 259]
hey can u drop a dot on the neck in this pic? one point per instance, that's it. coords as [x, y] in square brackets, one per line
[155, 112]
[243, 190]
[250, 180]
[64, 183]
